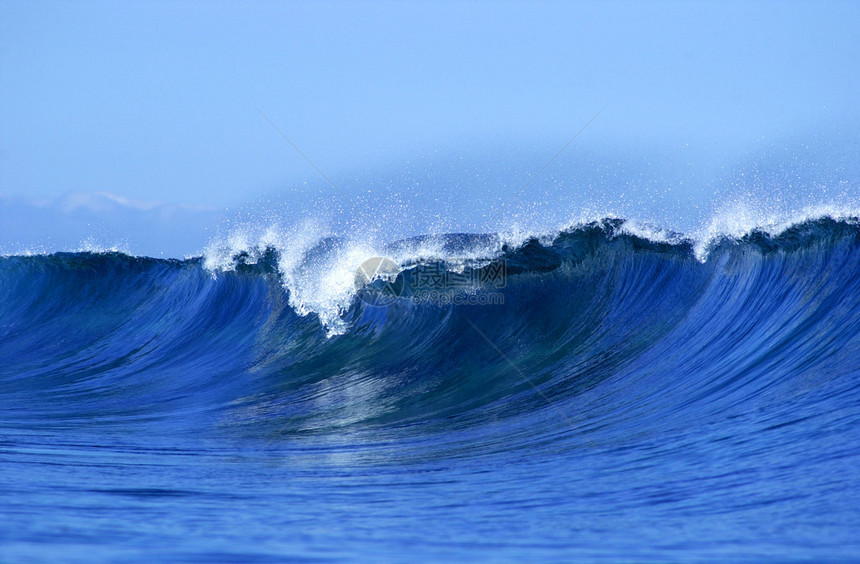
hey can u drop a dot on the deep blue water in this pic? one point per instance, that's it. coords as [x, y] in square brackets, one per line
[592, 395]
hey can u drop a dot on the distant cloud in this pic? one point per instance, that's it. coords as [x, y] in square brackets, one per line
[108, 202]
[81, 220]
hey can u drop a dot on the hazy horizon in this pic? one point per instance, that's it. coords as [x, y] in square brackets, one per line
[441, 109]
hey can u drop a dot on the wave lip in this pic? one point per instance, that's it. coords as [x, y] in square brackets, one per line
[318, 271]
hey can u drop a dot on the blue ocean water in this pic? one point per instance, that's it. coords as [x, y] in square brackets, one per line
[595, 393]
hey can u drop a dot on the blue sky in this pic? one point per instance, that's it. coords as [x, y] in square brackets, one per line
[160, 101]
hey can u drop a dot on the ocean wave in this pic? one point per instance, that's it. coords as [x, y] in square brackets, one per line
[468, 331]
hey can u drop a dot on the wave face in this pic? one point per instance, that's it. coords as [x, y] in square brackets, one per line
[594, 394]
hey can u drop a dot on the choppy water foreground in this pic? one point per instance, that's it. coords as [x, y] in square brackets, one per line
[591, 394]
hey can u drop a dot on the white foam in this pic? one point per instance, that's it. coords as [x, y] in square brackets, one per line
[319, 273]
[319, 280]
[94, 246]
[742, 217]
[651, 232]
